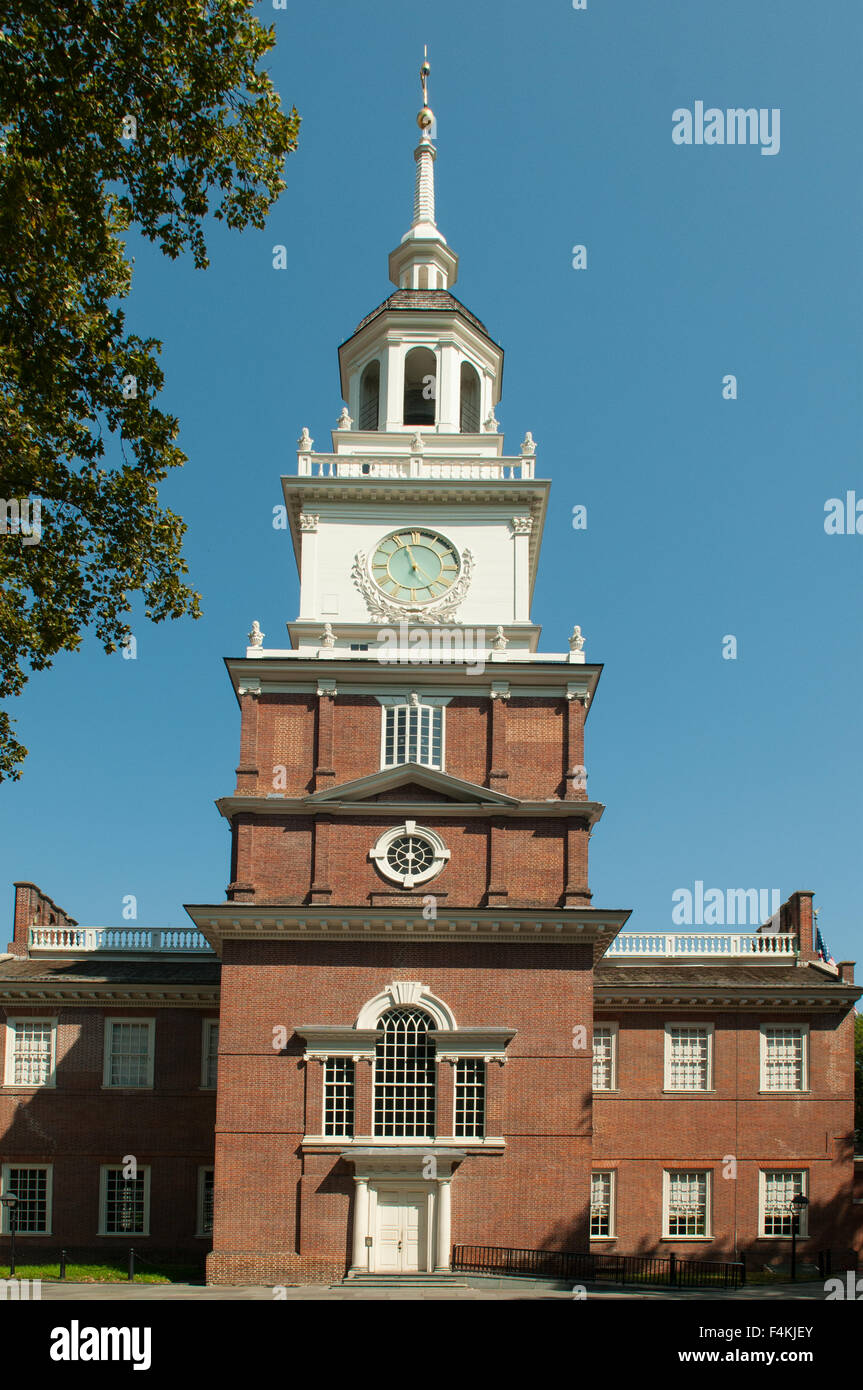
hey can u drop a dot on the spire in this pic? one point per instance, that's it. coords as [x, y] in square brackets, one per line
[422, 260]
[425, 155]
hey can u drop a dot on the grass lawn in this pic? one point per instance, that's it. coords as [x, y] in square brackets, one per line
[109, 1272]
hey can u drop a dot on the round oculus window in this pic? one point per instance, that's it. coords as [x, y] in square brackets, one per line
[409, 854]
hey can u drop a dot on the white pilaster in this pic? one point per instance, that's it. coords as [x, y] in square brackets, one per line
[394, 376]
[308, 567]
[521, 528]
[448, 389]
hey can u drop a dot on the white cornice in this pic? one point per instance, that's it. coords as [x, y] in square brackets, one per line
[735, 997]
[98, 996]
[275, 804]
[542, 677]
[268, 922]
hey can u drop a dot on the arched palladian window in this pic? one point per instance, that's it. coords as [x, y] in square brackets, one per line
[469, 399]
[404, 1086]
[370, 392]
[420, 387]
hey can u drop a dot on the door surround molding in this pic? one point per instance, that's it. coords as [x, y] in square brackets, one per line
[397, 1169]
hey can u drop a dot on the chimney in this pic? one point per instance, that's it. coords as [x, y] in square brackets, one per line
[795, 916]
[846, 971]
[33, 908]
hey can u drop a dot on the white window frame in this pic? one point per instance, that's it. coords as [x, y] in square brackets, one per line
[339, 1057]
[614, 1028]
[666, 1203]
[484, 1093]
[207, 1026]
[106, 1058]
[612, 1203]
[389, 702]
[49, 1198]
[379, 850]
[803, 1029]
[803, 1219]
[199, 1219]
[707, 1028]
[105, 1168]
[9, 1071]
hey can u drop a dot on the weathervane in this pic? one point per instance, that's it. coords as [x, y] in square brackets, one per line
[426, 117]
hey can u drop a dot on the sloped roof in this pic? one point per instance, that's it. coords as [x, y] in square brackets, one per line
[97, 971]
[424, 299]
[754, 978]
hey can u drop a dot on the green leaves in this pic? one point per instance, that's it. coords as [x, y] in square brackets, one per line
[145, 113]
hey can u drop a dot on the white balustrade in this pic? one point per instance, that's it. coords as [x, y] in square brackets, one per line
[681, 945]
[167, 940]
[429, 466]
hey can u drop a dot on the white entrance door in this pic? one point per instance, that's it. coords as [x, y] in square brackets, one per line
[400, 1235]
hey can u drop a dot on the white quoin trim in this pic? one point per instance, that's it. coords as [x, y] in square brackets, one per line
[400, 993]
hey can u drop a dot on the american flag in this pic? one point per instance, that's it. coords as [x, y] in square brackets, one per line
[822, 951]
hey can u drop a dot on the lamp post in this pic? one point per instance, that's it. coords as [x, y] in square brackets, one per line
[798, 1204]
[10, 1202]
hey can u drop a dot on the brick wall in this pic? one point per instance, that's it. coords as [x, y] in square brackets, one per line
[280, 742]
[639, 1131]
[285, 1215]
[79, 1125]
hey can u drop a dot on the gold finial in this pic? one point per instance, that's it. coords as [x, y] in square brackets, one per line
[425, 117]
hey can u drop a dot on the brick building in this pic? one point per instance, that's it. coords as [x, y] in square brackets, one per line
[427, 1032]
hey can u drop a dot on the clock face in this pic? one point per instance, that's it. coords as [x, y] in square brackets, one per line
[415, 566]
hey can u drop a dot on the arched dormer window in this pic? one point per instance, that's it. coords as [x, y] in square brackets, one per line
[370, 394]
[469, 399]
[420, 387]
[405, 1074]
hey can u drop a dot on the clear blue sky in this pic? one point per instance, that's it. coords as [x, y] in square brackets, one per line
[705, 516]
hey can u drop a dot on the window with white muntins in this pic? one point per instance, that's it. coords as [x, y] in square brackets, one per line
[31, 1051]
[601, 1205]
[339, 1097]
[405, 1075]
[784, 1062]
[124, 1202]
[413, 733]
[470, 1098]
[32, 1186]
[686, 1204]
[605, 1057]
[777, 1188]
[688, 1059]
[129, 1052]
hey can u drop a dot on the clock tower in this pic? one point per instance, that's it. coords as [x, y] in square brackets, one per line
[409, 937]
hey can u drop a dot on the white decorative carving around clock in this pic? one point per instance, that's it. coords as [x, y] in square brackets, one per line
[442, 577]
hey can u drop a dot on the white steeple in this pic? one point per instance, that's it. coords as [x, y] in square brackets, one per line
[422, 260]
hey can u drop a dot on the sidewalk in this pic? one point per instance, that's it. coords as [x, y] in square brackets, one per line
[148, 1293]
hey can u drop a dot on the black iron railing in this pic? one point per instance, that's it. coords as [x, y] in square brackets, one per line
[589, 1268]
